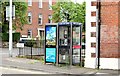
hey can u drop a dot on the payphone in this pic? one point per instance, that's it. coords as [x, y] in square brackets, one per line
[63, 43]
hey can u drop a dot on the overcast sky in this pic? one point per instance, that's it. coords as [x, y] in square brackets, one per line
[79, 1]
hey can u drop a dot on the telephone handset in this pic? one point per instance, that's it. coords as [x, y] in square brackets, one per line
[65, 33]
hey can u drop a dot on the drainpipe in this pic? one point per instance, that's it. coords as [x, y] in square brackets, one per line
[98, 34]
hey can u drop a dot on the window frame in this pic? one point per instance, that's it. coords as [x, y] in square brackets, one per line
[30, 15]
[93, 34]
[93, 44]
[40, 16]
[29, 31]
[29, 2]
[40, 4]
[49, 18]
[50, 4]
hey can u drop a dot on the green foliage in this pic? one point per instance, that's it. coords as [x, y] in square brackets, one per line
[20, 14]
[5, 28]
[16, 37]
[5, 37]
[69, 12]
[30, 43]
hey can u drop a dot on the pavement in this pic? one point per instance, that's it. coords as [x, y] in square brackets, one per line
[36, 65]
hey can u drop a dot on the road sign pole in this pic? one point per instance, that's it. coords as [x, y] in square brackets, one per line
[10, 30]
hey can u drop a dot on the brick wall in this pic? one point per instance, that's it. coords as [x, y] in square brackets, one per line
[119, 30]
[35, 12]
[109, 30]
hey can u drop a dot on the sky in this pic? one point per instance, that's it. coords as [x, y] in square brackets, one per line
[79, 1]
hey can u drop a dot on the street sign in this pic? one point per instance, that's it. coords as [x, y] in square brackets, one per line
[8, 12]
[20, 45]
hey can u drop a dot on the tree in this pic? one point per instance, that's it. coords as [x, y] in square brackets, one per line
[20, 15]
[69, 12]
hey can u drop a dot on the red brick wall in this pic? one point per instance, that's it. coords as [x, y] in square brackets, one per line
[119, 30]
[109, 30]
[35, 12]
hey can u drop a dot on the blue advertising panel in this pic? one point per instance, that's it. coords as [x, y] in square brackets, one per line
[50, 35]
[51, 54]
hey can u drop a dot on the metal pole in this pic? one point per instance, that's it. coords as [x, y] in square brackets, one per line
[98, 35]
[10, 30]
[81, 62]
[96, 65]
[31, 52]
[71, 44]
[57, 40]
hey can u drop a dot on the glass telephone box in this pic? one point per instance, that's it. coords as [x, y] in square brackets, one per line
[69, 39]
[63, 43]
[76, 47]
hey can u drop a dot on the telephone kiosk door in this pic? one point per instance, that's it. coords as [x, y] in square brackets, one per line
[64, 43]
[76, 47]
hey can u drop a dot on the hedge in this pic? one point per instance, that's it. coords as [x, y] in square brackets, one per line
[30, 43]
[5, 37]
[16, 37]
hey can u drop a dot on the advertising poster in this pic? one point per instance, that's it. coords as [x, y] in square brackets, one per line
[76, 56]
[51, 54]
[50, 35]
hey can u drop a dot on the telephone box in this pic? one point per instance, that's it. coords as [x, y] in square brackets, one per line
[63, 43]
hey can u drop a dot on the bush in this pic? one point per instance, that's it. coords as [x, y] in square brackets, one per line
[5, 37]
[16, 37]
[30, 43]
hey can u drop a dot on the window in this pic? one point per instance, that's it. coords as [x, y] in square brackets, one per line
[93, 3]
[29, 2]
[93, 24]
[93, 34]
[50, 4]
[41, 32]
[93, 54]
[40, 3]
[40, 19]
[49, 19]
[93, 45]
[93, 13]
[29, 33]
[29, 17]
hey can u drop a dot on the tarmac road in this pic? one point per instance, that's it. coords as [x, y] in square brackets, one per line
[9, 70]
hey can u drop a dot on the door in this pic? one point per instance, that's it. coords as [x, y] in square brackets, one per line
[76, 51]
[41, 33]
[64, 44]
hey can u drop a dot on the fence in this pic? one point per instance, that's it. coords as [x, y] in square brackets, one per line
[36, 49]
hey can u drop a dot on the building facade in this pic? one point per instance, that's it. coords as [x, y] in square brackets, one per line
[39, 13]
[109, 52]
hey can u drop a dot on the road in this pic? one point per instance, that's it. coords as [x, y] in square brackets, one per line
[6, 70]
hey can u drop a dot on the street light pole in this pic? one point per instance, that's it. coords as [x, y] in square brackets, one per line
[10, 30]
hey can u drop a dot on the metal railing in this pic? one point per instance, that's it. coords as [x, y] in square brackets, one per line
[36, 49]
